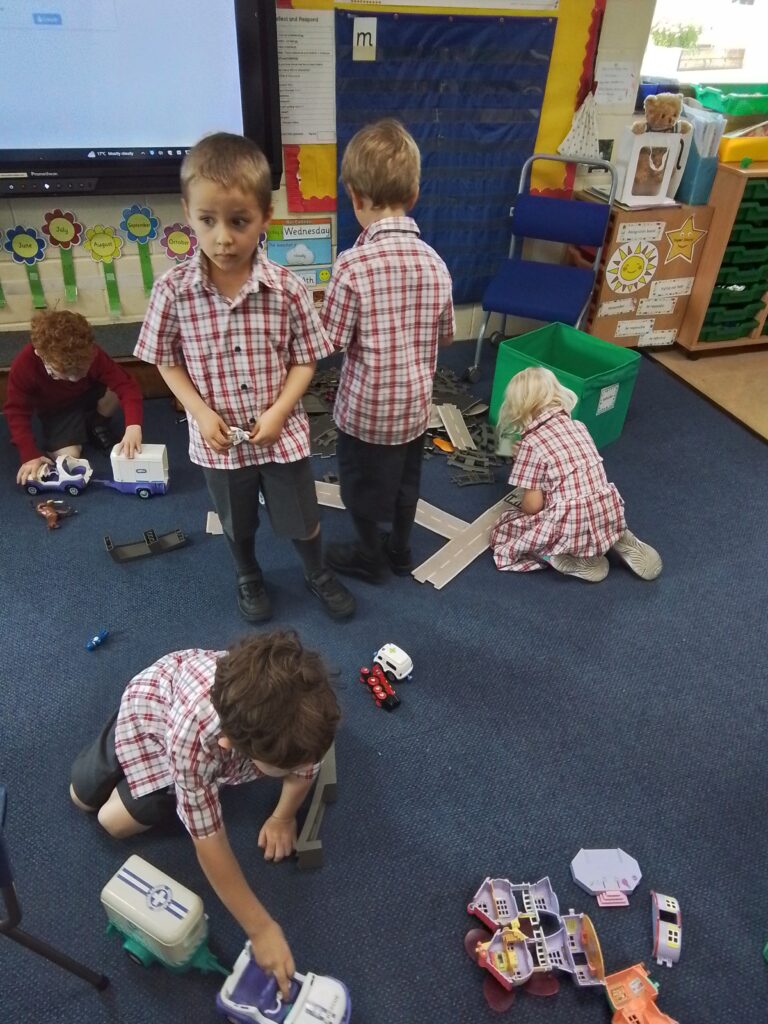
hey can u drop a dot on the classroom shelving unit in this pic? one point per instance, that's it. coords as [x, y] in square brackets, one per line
[729, 298]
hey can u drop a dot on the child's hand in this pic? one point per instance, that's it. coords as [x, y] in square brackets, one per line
[273, 954]
[214, 430]
[278, 838]
[268, 428]
[30, 469]
[131, 442]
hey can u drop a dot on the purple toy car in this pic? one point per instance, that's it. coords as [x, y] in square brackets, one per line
[250, 996]
[70, 475]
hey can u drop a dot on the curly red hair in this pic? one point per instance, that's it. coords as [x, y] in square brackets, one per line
[63, 339]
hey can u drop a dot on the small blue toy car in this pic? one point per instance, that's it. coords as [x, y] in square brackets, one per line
[98, 640]
[251, 996]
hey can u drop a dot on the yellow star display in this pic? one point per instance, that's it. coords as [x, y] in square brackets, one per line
[682, 241]
[631, 267]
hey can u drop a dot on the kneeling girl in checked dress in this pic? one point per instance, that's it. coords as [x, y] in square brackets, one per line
[569, 515]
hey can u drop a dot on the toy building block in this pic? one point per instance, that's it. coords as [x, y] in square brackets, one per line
[309, 847]
[610, 875]
[632, 996]
[152, 544]
[453, 421]
[531, 938]
[667, 928]
[161, 921]
[250, 996]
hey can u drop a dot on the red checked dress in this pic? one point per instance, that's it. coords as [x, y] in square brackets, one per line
[583, 514]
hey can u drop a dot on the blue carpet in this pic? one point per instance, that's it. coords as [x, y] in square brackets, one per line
[545, 715]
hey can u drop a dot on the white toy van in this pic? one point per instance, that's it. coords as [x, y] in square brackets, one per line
[145, 474]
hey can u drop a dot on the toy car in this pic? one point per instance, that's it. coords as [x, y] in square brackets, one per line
[68, 474]
[251, 996]
[395, 662]
[381, 689]
[97, 640]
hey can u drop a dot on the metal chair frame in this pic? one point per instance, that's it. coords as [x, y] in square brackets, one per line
[516, 241]
[11, 918]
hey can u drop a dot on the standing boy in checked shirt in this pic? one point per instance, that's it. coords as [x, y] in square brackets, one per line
[388, 306]
[197, 720]
[236, 337]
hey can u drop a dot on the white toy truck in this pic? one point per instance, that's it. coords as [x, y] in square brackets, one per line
[145, 474]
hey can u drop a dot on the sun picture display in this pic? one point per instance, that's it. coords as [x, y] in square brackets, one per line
[632, 266]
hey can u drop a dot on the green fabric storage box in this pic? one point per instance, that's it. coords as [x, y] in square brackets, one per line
[602, 375]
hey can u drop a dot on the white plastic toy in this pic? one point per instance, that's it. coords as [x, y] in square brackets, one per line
[145, 474]
[667, 928]
[395, 662]
[160, 919]
[251, 996]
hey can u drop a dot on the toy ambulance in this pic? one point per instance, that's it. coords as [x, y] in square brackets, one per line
[395, 662]
[145, 474]
[160, 920]
[251, 996]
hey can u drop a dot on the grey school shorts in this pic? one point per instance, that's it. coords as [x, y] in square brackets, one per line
[96, 772]
[289, 494]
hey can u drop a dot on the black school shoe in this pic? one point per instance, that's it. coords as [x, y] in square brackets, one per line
[252, 597]
[349, 560]
[101, 432]
[400, 562]
[331, 593]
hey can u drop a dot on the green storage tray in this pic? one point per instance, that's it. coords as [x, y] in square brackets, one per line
[729, 297]
[752, 211]
[602, 375]
[749, 233]
[744, 255]
[730, 314]
[723, 333]
[742, 275]
[756, 188]
[749, 100]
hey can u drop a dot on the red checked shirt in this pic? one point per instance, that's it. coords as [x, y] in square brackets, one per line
[583, 513]
[167, 734]
[237, 353]
[388, 306]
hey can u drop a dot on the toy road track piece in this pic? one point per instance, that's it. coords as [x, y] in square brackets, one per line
[309, 846]
[151, 544]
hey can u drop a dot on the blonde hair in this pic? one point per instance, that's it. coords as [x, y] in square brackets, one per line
[382, 163]
[530, 393]
[231, 161]
[63, 339]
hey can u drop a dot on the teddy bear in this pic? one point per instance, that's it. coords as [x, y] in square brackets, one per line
[662, 114]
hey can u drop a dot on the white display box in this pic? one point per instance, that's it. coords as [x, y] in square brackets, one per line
[650, 166]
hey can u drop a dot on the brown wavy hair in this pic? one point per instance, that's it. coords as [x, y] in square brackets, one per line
[63, 339]
[275, 700]
[382, 163]
[231, 161]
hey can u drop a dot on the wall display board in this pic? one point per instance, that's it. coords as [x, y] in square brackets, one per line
[470, 90]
